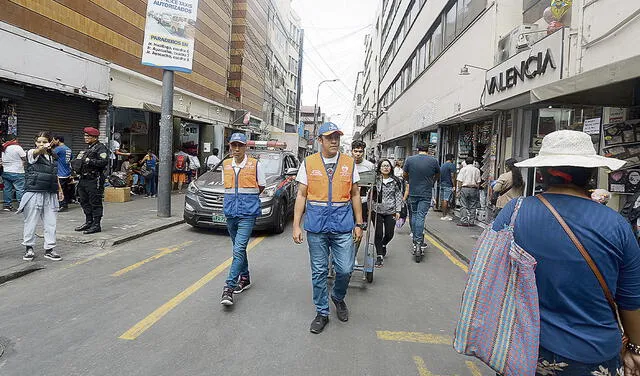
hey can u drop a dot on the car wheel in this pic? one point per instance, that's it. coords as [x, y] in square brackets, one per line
[280, 218]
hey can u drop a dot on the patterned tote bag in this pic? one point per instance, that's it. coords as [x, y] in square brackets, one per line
[499, 320]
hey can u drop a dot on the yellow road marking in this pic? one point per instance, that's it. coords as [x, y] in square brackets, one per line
[422, 367]
[414, 337]
[473, 368]
[164, 252]
[81, 262]
[156, 315]
[447, 253]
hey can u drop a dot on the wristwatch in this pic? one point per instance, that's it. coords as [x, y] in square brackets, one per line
[361, 225]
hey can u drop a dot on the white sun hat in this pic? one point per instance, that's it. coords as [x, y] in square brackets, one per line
[570, 148]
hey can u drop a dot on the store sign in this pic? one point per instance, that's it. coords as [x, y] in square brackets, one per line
[169, 34]
[535, 67]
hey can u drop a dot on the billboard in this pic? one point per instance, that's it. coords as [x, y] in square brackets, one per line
[169, 34]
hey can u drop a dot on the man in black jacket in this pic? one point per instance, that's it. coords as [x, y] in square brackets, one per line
[90, 165]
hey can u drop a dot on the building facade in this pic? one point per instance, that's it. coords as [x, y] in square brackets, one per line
[489, 79]
[93, 73]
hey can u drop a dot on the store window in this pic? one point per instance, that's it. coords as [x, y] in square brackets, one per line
[138, 129]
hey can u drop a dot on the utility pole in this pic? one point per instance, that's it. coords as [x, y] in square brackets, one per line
[166, 146]
[315, 108]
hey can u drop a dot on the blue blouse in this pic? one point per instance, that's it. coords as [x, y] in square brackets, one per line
[576, 321]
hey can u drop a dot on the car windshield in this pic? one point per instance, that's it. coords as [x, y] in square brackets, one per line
[269, 161]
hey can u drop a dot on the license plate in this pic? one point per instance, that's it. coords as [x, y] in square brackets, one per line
[219, 218]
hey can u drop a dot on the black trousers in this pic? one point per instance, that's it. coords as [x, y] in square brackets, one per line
[90, 197]
[385, 229]
[67, 190]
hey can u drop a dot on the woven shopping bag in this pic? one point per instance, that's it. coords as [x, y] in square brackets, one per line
[499, 320]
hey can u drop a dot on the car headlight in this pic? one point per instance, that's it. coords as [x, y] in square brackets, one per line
[269, 191]
[192, 188]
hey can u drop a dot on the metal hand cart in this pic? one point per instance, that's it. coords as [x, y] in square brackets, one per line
[368, 182]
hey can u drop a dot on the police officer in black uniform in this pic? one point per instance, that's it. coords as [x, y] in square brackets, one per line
[90, 165]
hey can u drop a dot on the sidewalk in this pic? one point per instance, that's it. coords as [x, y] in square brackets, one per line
[121, 222]
[461, 240]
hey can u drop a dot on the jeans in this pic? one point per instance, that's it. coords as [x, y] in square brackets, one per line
[13, 182]
[343, 257]
[150, 185]
[240, 229]
[470, 201]
[419, 207]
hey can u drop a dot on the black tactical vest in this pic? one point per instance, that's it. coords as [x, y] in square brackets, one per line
[41, 176]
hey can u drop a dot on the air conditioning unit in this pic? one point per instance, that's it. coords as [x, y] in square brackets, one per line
[519, 39]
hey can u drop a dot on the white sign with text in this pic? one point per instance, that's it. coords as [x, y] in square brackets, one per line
[169, 34]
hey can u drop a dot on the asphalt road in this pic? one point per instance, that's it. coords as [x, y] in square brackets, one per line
[151, 307]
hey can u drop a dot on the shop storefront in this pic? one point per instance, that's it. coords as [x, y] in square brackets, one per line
[26, 110]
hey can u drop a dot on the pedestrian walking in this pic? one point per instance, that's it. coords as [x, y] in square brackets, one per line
[244, 179]
[328, 192]
[447, 177]
[468, 180]
[150, 163]
[213, 160]
[579, 333]
[509, 185]
[398, 171]
[64, 155]
[181, 168]
[116, 153]
[420, 171]
[13, 159]
[41, 198]
[363, 166]
[387, 207]
[90, 165]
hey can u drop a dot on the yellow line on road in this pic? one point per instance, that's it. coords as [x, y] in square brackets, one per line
[97, 255]
[164, 252]
[156, 315]
[447, 253]
[473, 368]
[422, 368]
[414, 337]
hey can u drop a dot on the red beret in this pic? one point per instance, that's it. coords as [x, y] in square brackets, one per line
[91, 131]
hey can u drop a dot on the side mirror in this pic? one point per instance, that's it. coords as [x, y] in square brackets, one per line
[292, 171]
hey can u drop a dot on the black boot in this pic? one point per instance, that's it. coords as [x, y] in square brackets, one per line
[87, 224]
[95, 227]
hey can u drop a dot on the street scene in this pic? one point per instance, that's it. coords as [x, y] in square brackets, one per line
[298, 187]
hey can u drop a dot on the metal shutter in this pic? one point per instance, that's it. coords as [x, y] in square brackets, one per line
[41, 110]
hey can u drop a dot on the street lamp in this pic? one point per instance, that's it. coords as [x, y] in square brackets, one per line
[464, 71]
[315, 108]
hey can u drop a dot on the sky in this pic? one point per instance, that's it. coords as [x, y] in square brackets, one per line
[334, 48]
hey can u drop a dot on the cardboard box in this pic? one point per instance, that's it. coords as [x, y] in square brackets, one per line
[112, 194]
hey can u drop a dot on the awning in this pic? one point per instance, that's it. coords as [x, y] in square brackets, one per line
[158, 109]
[608, 75]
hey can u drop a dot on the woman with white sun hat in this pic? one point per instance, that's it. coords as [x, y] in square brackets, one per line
[579, 333]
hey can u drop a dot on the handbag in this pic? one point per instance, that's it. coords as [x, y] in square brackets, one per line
[592, 265]
[499, 321]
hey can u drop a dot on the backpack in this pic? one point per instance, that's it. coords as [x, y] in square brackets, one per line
[181, 162]
[117, 180]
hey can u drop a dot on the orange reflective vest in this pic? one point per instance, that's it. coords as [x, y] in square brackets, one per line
[241, 190]
[329, 207]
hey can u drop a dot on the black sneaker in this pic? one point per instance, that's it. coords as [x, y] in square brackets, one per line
[384, 251]
[424, 247]
[379, 262]
[227, 297]
[341, 309]
[29, 255]
[318, 324]
[243, 284]
[52, 255]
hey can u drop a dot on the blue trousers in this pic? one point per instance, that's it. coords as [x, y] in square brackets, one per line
[419, 207]
[240, 231]
[343, 256]
[13, 182]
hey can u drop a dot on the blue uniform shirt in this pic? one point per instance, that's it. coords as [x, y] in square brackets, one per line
[576, 321]
[63, 152]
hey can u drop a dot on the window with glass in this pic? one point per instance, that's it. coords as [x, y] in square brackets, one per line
[450, 25]
[436, 41]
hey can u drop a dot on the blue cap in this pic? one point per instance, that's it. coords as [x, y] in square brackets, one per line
[328, 128]
[238, 137]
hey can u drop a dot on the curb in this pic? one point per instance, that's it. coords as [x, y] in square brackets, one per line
[439, 239]
[19, 271]
[128, 237]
